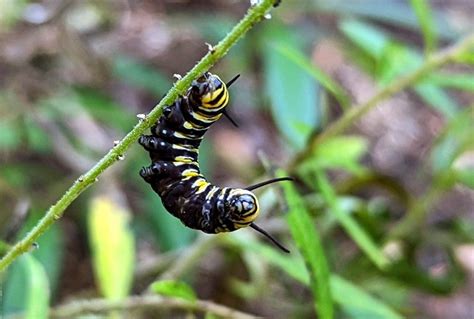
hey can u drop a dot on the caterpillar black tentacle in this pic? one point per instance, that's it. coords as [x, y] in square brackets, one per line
[174, 173]
[226, 114]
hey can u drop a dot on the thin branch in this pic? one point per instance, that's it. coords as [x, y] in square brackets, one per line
[255, 14]
[82, 307]
[357, 111]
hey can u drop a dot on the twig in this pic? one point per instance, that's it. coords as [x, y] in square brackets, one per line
[356, 111]
[254, 15]
[82, 307]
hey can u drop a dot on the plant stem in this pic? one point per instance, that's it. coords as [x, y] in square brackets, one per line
[254, 15]
[356, 111]
[77, 308]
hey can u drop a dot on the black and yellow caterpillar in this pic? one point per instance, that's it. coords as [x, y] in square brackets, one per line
[174, 173]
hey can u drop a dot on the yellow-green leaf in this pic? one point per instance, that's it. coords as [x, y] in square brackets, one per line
[112, 245]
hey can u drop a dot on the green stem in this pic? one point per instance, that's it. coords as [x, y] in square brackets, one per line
[357, 111]
[254, 15]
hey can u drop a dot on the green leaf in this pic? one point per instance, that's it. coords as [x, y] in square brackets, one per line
[462, 81]
[366, 37]
[357, 303]
[424, 14]
[456, 139]
[355, 231]
[437, 98]
[51, 249]
[338, 152]
[172, 288]
[325, 80]
[112, 245]
[37, 302]
[465, 176]
[309, 244]
[26, 289]
[396, 60]
[292, 91]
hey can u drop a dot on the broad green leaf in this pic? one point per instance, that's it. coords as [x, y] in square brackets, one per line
[357, 303]
[291, 90]
[172, 288]
[26, 289]
[140, 75]
[112, 245]
[354, 230]
[309, 244]
[325, 80]
[424, 14]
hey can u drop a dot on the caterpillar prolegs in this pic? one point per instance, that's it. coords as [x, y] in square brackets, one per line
[174, 173]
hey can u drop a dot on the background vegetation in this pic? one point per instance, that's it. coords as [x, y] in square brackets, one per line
[379, 222]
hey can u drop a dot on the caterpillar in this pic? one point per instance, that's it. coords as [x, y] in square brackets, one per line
[174, 173]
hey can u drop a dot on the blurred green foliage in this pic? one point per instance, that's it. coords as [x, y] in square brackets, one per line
[363, 239]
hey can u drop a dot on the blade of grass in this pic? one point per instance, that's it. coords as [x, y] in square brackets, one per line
[309, 244]
[424, 14]
[357, 234]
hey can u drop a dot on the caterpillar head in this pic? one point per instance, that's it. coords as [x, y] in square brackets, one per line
[243, 207]
[209, 92]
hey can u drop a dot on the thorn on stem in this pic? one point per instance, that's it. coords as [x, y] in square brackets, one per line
[210, 47]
